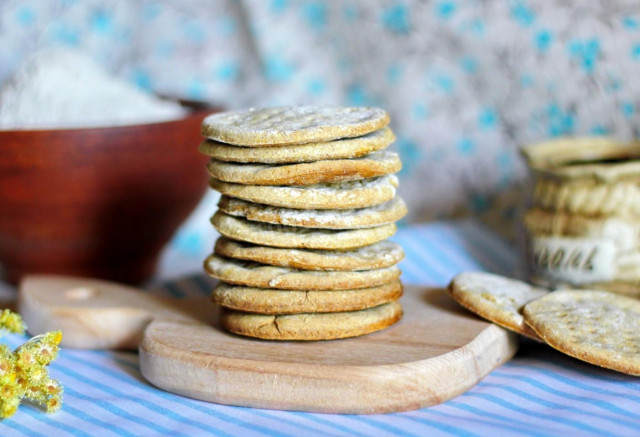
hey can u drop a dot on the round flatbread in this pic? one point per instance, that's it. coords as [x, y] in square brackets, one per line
[283, 278]
[309, 173]
[598, 327]
[313, 326]
[292, 124]
[375, 256]
[496, 298]
[268, 301]
[377, 215]
[266, 234]
[343, 195]
[338, 149]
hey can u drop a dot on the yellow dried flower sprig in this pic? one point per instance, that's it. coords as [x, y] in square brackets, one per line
[11, 322]
[24, 373]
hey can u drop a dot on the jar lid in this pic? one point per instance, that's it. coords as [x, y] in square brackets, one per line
[604, 159]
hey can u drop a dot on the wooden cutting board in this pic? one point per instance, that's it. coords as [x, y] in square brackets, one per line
[436, 352]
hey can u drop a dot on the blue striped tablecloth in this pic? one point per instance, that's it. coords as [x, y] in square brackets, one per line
[539, 392]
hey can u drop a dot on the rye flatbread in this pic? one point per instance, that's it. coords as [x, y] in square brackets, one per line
[266, 234]
[338, 149]
[384, 213]
[292, 124]
[252, 274]
[342, 195]
[269, 301]
[375, 256]
[308, 173]
[598, 327]
[496, 298]
[312, 326]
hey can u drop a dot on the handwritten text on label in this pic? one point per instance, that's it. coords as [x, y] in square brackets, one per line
[576, 260]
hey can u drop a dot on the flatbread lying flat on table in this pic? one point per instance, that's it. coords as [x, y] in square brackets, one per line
[375, 256]
[598, 327]
[312, 326]
[376, 215]
[496, 298]
[292, 124]
[342, 195]
[343, 148]
[307, 173]
[283, 278]
[268, 301]
[267, 234]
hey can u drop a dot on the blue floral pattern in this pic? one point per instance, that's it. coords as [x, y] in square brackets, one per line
[466, 82]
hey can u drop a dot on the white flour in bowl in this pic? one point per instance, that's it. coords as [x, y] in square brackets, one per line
[64, 89]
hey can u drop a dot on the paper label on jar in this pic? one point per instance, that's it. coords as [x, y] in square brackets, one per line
[575, 260]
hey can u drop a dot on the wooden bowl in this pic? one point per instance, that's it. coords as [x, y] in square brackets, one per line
[98, 202]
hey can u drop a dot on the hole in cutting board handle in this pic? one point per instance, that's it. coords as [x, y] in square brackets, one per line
[81, 293]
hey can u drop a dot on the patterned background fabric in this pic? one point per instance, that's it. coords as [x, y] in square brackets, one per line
[466, 82]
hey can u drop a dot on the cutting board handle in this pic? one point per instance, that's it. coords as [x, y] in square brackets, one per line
[96, 314]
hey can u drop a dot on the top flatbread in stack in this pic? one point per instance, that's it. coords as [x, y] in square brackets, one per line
[292, 125]
[312, 188]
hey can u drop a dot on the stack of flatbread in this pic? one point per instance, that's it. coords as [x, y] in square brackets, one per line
[308, 203]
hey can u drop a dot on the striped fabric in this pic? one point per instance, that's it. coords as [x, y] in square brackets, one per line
[539, 392]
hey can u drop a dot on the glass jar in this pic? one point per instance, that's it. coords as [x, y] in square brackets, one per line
[582, 221]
